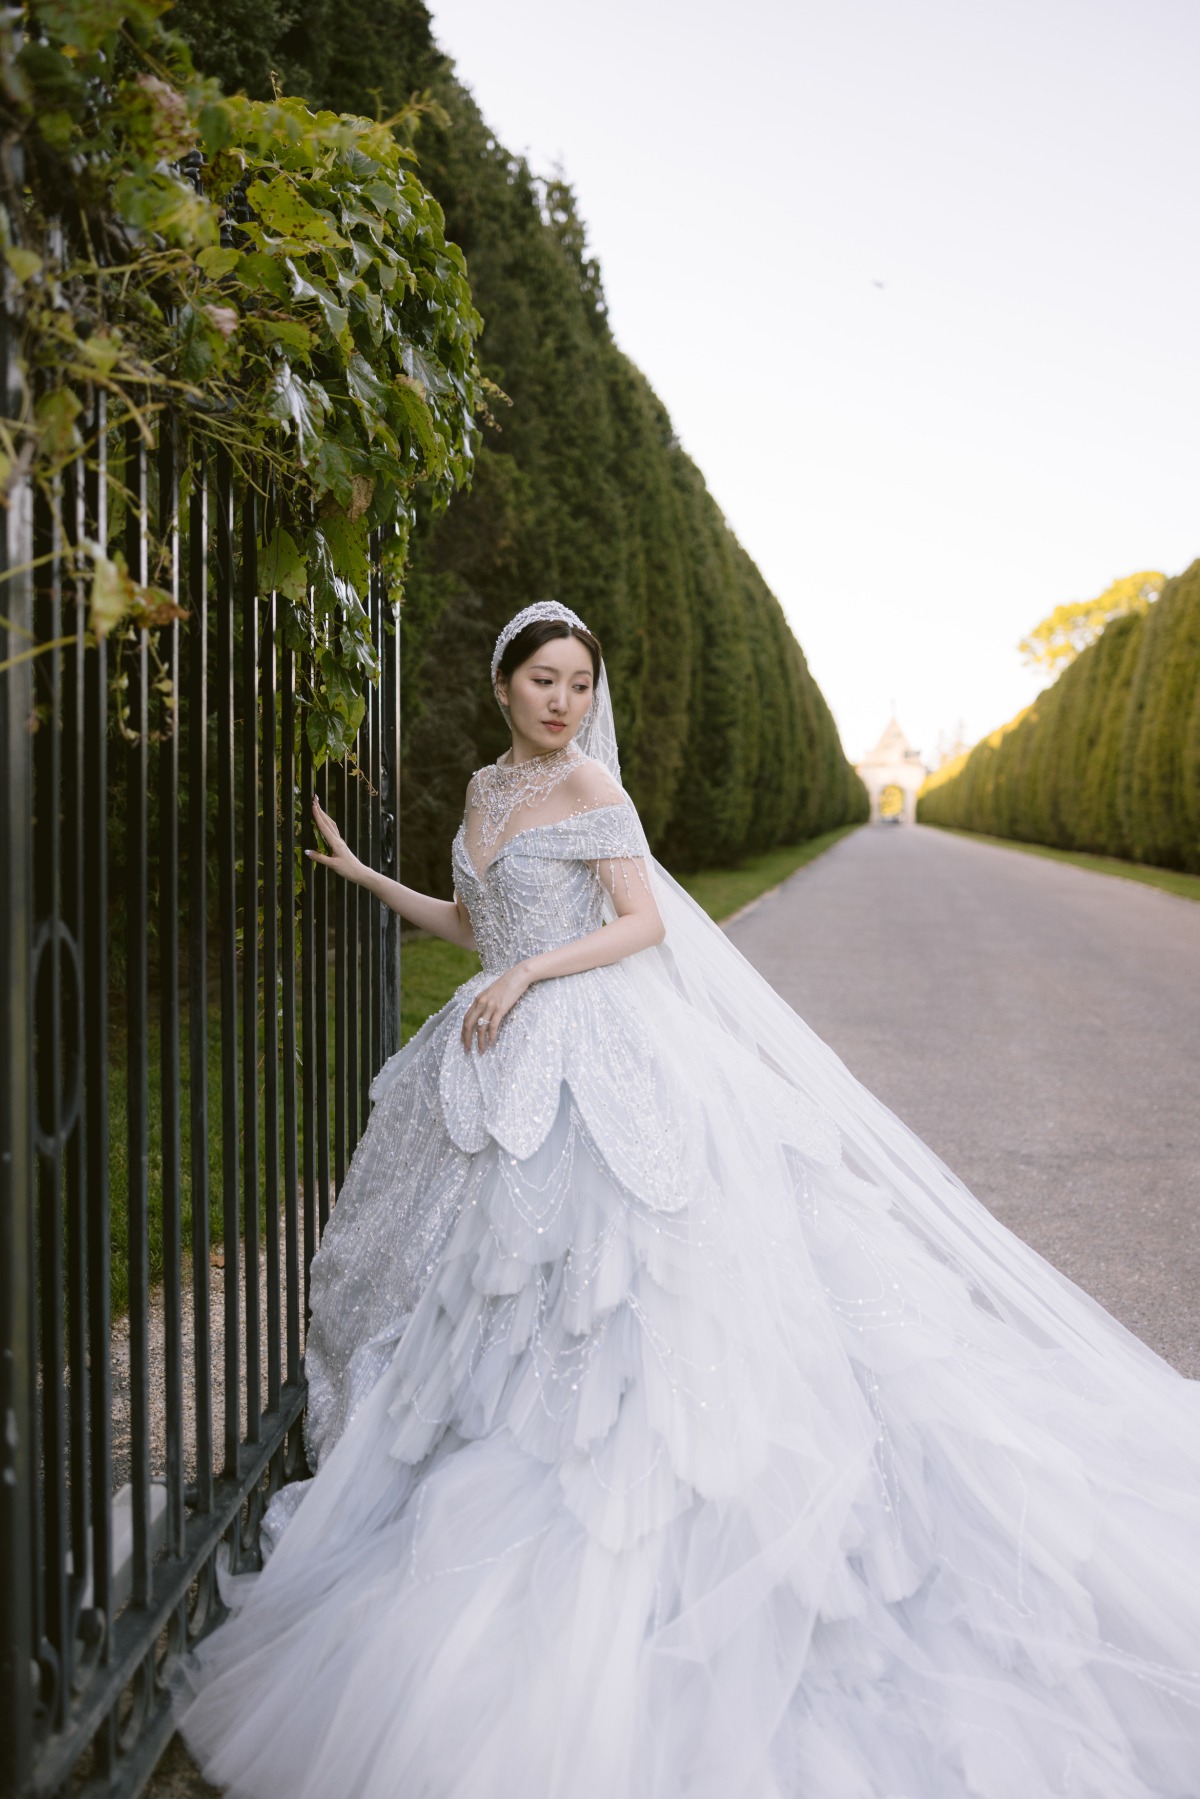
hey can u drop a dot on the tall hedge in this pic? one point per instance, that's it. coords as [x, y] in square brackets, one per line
[1108, 758]
[582, 491]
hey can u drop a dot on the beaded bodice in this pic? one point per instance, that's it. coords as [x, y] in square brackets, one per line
[537, 846]
[540, 889]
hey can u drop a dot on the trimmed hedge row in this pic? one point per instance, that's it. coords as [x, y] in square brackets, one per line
[1108, 758]
[583, 494]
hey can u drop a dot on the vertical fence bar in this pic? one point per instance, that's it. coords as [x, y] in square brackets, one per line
[352, 808]
[389, 787]
[168, 978]
[47, 996]
[250, 796]
[74, 904]
[137, 771]
[378, 912]
[308, 1007]
[95, 1052]
[16, 1121]
[197, 824]
[287, 926]
[227, 937]
[270, 1003]
[321, 1025]
[368, 907]
[345, 959]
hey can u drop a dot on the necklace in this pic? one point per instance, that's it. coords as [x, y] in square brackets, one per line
[503, 788]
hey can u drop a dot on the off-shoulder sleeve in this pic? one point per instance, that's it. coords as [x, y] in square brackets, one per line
[603, 833]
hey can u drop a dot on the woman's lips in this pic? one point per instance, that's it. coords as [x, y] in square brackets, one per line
[554, 724]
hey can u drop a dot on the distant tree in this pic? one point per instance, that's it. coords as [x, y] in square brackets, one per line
[1054, 644]
[1107, 759]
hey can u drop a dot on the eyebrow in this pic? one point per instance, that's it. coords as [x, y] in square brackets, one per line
[550, 669]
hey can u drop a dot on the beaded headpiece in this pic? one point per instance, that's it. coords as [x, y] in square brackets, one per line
[531, 615]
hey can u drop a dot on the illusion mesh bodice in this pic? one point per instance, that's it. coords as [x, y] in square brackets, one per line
[545, 884]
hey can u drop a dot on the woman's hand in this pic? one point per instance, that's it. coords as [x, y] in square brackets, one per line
[340, 859]
[490, 1007]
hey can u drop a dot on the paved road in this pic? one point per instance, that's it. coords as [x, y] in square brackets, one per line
[1038, 1025]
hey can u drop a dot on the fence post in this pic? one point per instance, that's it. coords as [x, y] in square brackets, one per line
[16, 1145]
[389, 785]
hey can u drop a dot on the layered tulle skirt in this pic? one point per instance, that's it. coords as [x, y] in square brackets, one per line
[661, 1455]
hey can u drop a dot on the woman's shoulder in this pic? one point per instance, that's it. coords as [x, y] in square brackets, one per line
[591, 785]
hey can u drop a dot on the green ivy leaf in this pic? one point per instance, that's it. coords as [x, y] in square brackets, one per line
[282, 209]
[25, 264]
[257, 270]
[310, 287]
[218, 262]
[292, 401]
[346, 541]
[112, 596]
[288, 332]
[372, 394]
[282, 567]
[216, 126]
[55, 414]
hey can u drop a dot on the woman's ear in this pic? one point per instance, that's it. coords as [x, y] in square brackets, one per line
[502, 690]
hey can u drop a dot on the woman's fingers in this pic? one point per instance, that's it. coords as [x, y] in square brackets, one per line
[481, 1024]
[325, 824]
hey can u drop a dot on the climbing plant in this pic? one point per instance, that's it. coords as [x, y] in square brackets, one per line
[279, 276]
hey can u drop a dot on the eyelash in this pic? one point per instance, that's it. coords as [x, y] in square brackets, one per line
[541, 681]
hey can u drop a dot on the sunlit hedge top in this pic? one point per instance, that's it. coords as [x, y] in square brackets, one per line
[280, 275]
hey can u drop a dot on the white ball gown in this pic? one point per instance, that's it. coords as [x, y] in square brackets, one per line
[684, 1429]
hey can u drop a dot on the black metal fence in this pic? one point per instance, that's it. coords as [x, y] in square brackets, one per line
[191, 1014]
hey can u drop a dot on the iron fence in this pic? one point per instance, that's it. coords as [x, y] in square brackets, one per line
[191, 1017]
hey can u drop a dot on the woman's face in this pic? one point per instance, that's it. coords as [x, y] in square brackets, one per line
[548, 695]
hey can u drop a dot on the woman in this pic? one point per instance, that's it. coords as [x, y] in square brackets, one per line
[682, 1426]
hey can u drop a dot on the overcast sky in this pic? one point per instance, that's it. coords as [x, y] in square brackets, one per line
[919, 281]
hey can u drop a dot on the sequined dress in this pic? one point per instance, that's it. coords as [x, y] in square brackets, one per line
[656, 1460]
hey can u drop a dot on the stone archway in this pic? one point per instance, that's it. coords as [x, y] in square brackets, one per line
[893, 775]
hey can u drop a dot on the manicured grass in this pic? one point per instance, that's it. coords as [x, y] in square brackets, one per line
[723, 891]
[118, 1153]
[1170, 880]
[430, 970]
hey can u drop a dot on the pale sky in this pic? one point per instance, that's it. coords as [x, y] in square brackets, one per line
[921, 469]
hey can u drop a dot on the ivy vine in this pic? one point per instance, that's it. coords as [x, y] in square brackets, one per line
[280, 277]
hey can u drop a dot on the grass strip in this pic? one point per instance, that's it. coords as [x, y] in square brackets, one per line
[1167, 880]
[724, 891]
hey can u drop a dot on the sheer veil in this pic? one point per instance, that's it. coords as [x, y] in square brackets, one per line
[886, 1166]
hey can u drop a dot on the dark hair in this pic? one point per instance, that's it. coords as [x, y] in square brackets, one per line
[543, 630]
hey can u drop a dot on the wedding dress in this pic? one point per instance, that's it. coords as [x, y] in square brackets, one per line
[683, 1428]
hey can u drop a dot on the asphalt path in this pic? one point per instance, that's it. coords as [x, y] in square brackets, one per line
[1038, 1025]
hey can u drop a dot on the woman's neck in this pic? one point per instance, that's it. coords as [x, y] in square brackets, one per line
[520, 750]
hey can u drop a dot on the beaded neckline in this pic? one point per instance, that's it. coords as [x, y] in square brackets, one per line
[502, 789]
[544, 764]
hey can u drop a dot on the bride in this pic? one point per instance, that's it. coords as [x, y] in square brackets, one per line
[683, 1429]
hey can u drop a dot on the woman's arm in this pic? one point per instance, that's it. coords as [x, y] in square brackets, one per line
[638, 925]
[444, 918]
